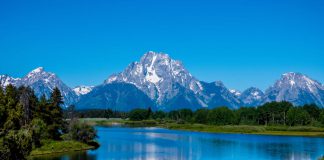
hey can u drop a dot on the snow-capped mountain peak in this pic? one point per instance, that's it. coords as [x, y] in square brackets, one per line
[42, 82]
[296, 88]
[82, 90]
[156, 74]
[298, 80]
[235, 92]
[6, 80]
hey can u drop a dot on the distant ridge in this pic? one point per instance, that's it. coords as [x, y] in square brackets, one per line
[160, 82]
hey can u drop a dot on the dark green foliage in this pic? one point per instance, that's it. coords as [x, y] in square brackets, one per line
[200, 116]
[273, 113]
[174, 115]
[246, 115]
[80, 132]
[138, 114]
[321, 117]
[56, 113]
[298, 116]
[3, 113]
[38, 128]
[186, 114]
[109, 113]
[221, 116]
[25, 120]
[17, 144]
[159, 115]
[313, 110]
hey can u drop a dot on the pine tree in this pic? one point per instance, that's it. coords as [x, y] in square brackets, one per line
[28, 100]
[3, 113]
[56, 101]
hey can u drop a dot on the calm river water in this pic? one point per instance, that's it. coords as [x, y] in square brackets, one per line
[157, 143]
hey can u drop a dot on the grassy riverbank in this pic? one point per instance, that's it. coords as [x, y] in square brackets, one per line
[244, 129]
[247, 129]
[52, 147]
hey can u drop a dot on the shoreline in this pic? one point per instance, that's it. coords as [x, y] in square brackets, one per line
[59, 147]
[306, 131]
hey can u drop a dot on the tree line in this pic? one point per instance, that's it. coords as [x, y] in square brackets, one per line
[26, 121]
[272, 113]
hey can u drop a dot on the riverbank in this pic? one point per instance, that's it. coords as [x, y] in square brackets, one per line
[53, 147]
[242, 129]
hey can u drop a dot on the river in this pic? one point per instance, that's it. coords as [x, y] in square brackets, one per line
[158, 143]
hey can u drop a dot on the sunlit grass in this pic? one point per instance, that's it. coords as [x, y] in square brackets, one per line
[50, 147]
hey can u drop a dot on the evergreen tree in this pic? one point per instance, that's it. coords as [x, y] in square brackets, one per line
[56, 113]
[28, 100]
[3, 113]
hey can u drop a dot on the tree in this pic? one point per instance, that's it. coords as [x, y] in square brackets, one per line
[56, 113]
[159, 115]
[28, 101]
[185, 114]
[174, 115]
[109, 113]
[71, 113]
[298, 116]
[38, 129]
[200, 116]
[149, 113]
[138, 114]
[18, 144]
[81, 132]
[3, 113]
[321, 117]
[220, 116]
[246, 115]
[273, 113]
[313, 110]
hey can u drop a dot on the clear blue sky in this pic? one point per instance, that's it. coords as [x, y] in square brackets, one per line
[241, 42]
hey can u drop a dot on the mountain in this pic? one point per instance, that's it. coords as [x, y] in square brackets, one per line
[6, 80]
[162, 83]
[216, 94]
[296, 88]
[82, 90]
[116, 96]
[42, 82]
[160, 78]
[168, 83]
[156, 75]
[252, 97]
[235, 92]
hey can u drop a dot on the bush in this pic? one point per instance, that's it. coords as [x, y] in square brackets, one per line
[38, 128]
[17, 144]
[81, 132]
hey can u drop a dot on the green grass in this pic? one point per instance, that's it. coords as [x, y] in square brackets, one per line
[244, 129]
[249, 129]
[51, 147]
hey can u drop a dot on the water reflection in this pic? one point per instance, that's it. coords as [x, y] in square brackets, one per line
[155, 143]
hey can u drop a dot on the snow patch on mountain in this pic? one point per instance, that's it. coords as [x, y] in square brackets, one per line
[82, 90]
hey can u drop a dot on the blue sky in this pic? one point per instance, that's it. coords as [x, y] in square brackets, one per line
[241, 42]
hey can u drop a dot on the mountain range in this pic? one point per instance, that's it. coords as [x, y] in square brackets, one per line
[160, 82]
